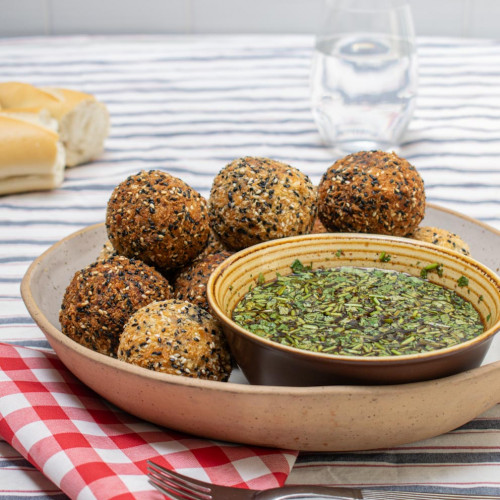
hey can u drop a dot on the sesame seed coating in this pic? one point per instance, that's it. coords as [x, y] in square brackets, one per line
[107, 251]
[176, 337]
[372, 192]
[214, 245]
[101, 297]
[257, 199]
[158, 218]
[441, 237]
[191, 283]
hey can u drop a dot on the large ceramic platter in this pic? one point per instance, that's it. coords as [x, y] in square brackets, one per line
[326, 418]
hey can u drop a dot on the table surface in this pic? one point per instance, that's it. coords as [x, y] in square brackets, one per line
[190, 105]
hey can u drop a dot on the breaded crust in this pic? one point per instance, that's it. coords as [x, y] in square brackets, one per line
[107, 251]
[101, 297]
[176, 337]
[372, 192]
[158, 218]
[213, 245]
[258, 199]
[318, 227]
[441, 237]
[191, 283]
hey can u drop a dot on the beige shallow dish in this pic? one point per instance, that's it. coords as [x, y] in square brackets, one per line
[324, 418]
[271, 363]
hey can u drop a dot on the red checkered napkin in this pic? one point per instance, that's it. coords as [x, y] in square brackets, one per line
[91, 449]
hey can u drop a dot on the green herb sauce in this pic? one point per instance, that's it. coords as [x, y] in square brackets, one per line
[357, 312]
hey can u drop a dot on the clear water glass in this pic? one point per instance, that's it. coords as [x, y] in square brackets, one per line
[364, 74]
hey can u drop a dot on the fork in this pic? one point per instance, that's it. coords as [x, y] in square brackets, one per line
[179, 487]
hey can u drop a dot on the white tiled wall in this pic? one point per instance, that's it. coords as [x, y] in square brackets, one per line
[485, 17]
[479, 18]
[117, 16]
[255, 16]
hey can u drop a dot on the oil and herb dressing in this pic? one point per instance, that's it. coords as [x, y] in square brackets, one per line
[357, 312]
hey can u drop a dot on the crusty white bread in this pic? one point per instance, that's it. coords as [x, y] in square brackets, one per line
[83, 121]
[33, 115]
[16, 95]
[83, 131]
[27, 183]
[31, 155]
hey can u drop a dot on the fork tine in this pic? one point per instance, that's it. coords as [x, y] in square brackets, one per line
[175, 477]
[168, 493]
[191, 489]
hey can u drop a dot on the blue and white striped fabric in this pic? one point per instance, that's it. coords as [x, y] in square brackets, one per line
[189, 105]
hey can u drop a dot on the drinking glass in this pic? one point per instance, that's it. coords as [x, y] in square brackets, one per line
[364, 74]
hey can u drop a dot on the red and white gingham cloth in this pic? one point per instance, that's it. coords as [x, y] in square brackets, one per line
[92, 450]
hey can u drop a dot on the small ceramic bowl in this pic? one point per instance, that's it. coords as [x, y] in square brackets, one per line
[266, 362]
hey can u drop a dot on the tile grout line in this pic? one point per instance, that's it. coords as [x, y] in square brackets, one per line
[47, 17]
[466, 18]
[189, 17]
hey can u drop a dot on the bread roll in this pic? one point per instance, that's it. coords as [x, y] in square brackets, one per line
[83, 121]
[33, 115]
[31, 155]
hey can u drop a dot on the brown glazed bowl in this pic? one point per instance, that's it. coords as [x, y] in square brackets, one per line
[266, 362]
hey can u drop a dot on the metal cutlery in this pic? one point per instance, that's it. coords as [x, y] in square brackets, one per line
[179, 487]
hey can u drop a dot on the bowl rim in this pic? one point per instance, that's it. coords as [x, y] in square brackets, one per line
[260, 248]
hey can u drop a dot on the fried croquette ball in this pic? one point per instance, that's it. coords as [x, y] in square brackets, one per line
[371, 192]
[191, 283]
[107, 251]
[176, 337]
[101, 297]
[157, 218]
[214, 245]
[318, 227]
[258, 199]
[441, 237]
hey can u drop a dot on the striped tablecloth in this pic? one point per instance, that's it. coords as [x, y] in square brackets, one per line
[189, 105]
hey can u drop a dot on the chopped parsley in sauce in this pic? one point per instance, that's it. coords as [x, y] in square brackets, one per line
[357, 312]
